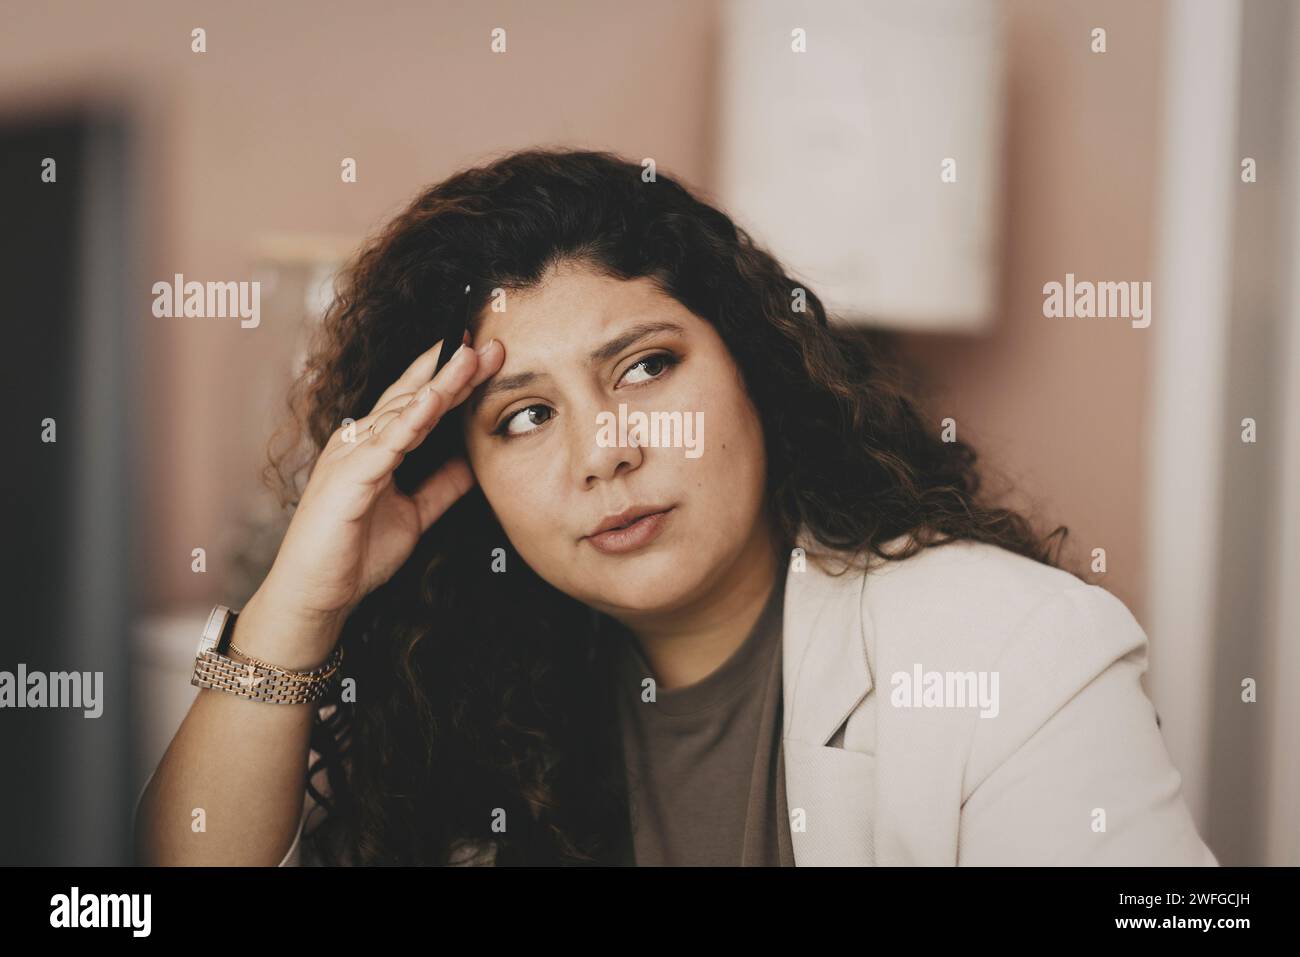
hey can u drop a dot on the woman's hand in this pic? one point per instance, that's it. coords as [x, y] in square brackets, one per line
[353, 528]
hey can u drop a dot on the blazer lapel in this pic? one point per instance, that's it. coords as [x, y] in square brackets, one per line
[825, 675]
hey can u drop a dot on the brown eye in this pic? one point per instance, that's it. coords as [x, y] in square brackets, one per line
[525, 420]
[651, 367]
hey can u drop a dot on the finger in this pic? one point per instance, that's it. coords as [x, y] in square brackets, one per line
[348, 436]
[377, 456]
[441, 490]
[377, 425]
[417, 374]
[368, 426]
[490, 358]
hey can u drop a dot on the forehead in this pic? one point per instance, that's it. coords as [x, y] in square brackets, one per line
[573, 304]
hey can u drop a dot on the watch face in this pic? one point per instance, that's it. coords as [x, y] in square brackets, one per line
[215, 631]
[227, 632]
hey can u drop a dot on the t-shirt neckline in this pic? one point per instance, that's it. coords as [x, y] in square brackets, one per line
[725, 681]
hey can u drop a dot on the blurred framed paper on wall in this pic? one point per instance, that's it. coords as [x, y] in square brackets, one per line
[822, 157]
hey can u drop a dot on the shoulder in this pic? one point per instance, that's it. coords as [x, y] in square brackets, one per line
[1010, 690]
[975, 604]
[1039, 637]
[973, 575]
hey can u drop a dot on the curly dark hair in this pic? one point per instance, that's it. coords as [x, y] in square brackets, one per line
[476, 698]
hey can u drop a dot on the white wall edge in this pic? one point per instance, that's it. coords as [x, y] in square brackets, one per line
[1277, 686]
[1185, 411]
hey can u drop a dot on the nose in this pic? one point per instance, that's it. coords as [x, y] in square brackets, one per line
[600, 454]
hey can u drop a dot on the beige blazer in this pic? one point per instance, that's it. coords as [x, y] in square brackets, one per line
[1069, 768]
[894, 757]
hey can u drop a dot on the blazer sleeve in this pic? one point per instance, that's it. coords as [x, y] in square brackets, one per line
[1073, 770]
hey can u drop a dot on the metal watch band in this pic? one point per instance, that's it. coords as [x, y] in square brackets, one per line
[258, 683]
[256, 679]
[242, 658]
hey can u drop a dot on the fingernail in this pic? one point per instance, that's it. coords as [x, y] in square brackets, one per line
[483, 350]
[465, 338]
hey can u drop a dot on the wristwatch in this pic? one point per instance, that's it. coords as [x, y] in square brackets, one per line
[217, 632]
[252, 677]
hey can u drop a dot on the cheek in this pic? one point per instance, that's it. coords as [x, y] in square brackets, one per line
[733, 435]
[489, 475]
[498, 488]
[520, 497]
[494, 466]
[476, 449]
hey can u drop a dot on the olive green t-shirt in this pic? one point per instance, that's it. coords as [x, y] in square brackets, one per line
[705, 770]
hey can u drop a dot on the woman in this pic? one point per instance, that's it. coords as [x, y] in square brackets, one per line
[682, 577]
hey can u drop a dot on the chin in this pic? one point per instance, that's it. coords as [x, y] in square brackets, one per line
[655, 581]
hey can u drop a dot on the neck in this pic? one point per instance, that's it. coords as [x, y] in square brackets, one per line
[691, 642]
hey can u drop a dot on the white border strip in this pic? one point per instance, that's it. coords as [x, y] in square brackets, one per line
[1186, 414]
[1277, 686]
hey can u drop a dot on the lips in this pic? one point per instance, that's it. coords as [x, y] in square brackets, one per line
[625, 518]
[630, 529]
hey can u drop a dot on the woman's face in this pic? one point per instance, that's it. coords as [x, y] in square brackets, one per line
[544, 440]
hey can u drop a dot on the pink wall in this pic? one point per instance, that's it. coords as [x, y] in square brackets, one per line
[245, 142]
[1059, 406]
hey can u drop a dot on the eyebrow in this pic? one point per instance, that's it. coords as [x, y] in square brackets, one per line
[603, 353]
